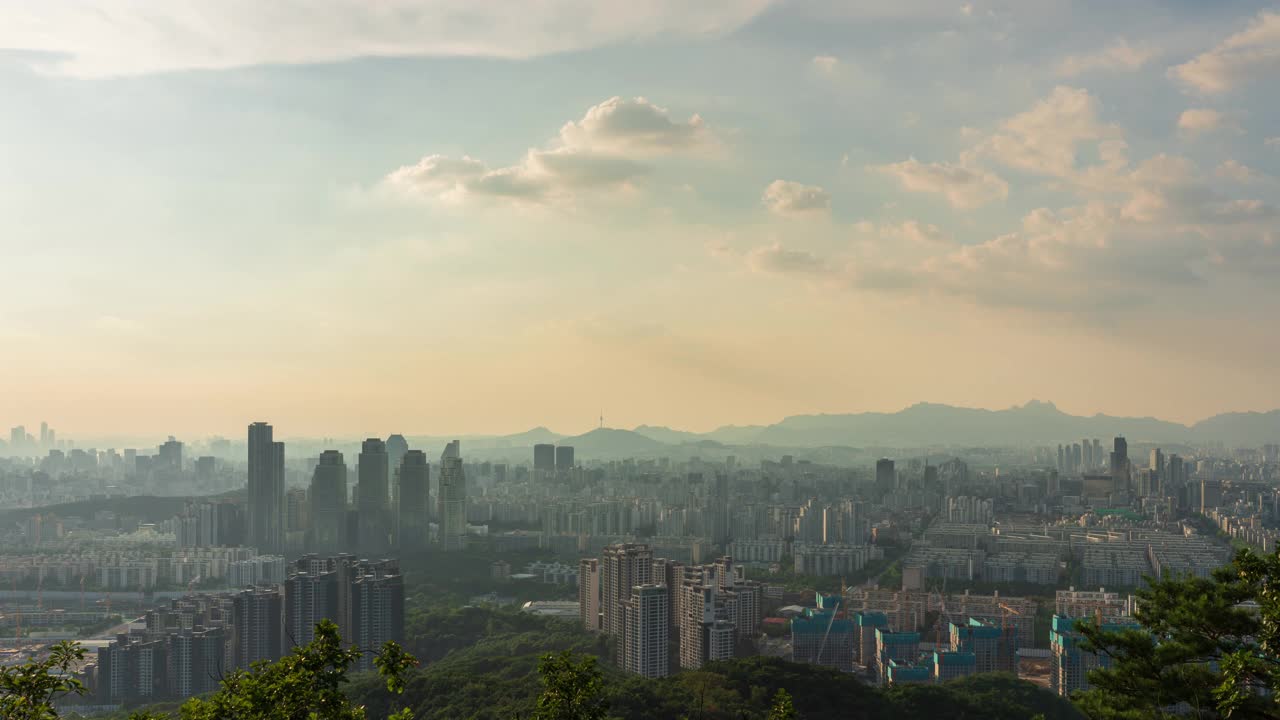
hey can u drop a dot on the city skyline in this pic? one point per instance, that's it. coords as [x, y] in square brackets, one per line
[685, 216]
[537, 437]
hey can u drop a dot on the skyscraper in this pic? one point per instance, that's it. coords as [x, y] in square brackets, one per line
[544, 456]
[258, 618]
[377, 609]
[1120, 464]
[397, 446]
[624, 566]
[310, 595]
[415, 483]
[589, 594]
[372, 501]
[266, 490]
[646, 647]
[453, 499]
[170, 455]
[329, 504]
[564, 457]
[885, 475]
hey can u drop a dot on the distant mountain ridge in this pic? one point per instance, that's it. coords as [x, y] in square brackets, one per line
[926, 424]
[920, 425]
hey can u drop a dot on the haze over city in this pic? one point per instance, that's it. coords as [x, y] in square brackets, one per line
[608, 360]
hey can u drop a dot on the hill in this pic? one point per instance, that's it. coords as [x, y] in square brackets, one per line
[933, 424]
[610, 442]
[1243, 428]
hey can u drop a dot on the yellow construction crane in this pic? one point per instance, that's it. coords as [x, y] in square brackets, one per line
[1004, 625]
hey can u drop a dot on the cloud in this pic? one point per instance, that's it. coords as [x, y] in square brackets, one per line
[1249, 55]
[779, 260]
[637, 125]
[963, 187]
[1045, 140]
[1119, 56]
[127, 37]
[1273, 142]
[1197, 121]
[601, 152]
[543, 176]
[907, 231]
[792, 198]
[825, 64]
[1237, 172]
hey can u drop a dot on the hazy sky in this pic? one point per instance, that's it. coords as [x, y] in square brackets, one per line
[345, 216]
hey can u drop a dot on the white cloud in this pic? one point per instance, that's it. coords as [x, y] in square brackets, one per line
[601, 152]
[825, 64]
[1197, 121]
[125, 37]
[1251, 54]
[963, 187]
[1045, 139]
[1272, 142]
[780, 260]
[1237, 172]
[543, 176]
[1120, 55]
[785, 197]
[636, 125]
[906, 231]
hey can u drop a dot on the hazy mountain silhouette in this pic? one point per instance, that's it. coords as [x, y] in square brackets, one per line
[921, 425]
[1240, 428]
[935, 424]
[667, 435]
[612, 442]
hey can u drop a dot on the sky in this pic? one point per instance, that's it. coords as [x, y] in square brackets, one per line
[456, 217]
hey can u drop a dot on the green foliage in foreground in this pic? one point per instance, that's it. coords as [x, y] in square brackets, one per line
[486, 683]
[28, 692]
[305, 684]
[1207, 648]
[531, 668]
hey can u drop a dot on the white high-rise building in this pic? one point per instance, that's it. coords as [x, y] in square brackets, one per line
[452, 499]
[624, 566]
[646, 621]
[589, 594]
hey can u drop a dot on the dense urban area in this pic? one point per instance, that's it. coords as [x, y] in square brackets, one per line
[659, 552]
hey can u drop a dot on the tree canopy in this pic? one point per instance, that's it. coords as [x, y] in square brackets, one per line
[1207, 647]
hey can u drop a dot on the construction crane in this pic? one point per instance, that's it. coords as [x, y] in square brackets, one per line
[823, 644]
[1005, 610]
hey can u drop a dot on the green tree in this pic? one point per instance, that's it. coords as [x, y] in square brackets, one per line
[1208, 644]
[28, 692]
[782, 708]
[571, 690]
[305, 685]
